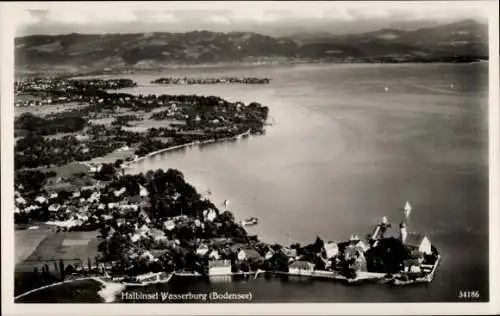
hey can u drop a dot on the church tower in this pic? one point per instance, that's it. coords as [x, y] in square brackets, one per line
[403, 233]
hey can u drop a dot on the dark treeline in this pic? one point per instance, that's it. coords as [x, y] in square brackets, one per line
[66, 122]
[34, 150]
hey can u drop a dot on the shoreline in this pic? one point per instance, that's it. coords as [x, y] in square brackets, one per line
[80, 73]
[113, 287]
[129, 164]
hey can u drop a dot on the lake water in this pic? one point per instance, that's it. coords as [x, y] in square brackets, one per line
[345, 152]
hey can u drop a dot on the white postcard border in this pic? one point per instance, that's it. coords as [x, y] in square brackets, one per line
[8, 17]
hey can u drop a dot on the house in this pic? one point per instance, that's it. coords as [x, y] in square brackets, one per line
[148, 256]
[355, 241]
[111, 232]
[125, 207]
[94, 197]
[76, 194]
[249, 254]
[210, 215]
[144, 229]
[202, 250]
[81, 137]
[269, 254]
[214, 255]
[219, 267]
[242, 255]
[31, 208]
[106, 217]
[157, 234]
[142, 191]
[412, 265]
[21, 201]
[289, 252]
[356, 255]
[53, 195]
[331, 249]
[169, 225]
[41, 199]
[54, 207]
[301, 268]
[112, 205]
[144, 216]
[418, 244]
[118, 193]
[96, 168]
[135, 237]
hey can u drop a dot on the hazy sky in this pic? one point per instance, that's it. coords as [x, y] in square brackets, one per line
[273, 18]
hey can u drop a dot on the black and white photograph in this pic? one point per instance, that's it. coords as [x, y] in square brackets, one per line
[228, 153]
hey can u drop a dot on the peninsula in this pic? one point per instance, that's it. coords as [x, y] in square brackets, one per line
[141, 229]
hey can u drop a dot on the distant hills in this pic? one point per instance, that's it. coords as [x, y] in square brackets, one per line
[457, 42]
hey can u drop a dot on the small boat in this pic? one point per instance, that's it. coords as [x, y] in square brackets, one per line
[250, 221]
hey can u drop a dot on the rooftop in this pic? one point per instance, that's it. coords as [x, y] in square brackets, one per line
[303, 265]
[219, 263]
[413, 239]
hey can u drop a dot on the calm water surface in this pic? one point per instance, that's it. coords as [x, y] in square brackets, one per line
[345, 152]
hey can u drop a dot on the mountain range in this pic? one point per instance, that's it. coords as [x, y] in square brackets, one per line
[462, 41]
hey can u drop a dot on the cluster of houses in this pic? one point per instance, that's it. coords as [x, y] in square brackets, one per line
[48, 91]
[354, 251]
[224, 80]
[77, 210]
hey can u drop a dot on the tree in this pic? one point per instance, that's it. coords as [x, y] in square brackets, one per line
[118, 163]
[318, 245]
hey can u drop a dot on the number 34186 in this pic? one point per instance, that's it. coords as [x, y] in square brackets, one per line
[468, 294]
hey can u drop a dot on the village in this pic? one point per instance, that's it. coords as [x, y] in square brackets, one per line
[58, 90]
[224, 80]
[154, 226]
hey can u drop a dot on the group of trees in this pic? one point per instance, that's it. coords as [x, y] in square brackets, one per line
[123, 120]
[60, 123]
[32, 181]
[387, 257]
[34, 150]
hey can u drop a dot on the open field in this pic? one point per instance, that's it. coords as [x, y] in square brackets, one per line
[67, 170]
[27, 240]
[115, 155]
[144, 125]
[102, 121]
[47, 109]
[62, 246]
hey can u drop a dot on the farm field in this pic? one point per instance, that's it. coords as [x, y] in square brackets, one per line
[55, 246]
